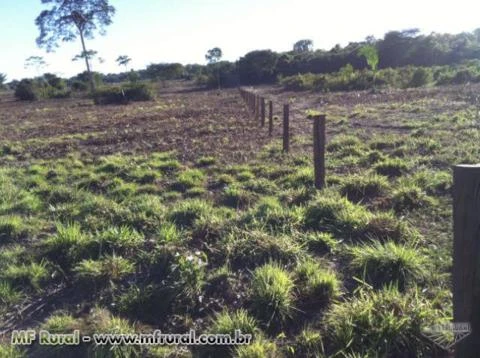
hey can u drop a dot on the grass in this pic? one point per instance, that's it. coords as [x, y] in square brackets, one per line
[389, 263]
[317, 285]
[364, 187]
[272, 295]
[386, 322]
[236, 236]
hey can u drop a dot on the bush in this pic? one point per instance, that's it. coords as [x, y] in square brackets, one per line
[421, 77]
[25, 91]
[123, 95]
[79, 86]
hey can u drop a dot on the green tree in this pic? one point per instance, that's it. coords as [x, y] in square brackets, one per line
[213, 56]
[370, 53]
[69, 19]
[258, 67]
[123, 60]
[303, 46]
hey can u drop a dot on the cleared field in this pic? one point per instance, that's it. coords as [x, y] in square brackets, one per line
[183, 214]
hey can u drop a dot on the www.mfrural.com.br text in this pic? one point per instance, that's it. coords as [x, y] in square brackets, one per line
[43, 337]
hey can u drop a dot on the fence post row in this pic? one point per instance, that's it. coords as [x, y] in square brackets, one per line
[466, 257]
[319, 139]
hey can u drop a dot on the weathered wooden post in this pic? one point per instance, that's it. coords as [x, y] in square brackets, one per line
[257, 108]
[270, 118]
[319, 139]
[286, 134]
[466, 256]
[262, 112]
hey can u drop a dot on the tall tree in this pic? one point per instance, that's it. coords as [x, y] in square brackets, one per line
[123, 60]
[213, 56]
[303, 46]
[68, 19]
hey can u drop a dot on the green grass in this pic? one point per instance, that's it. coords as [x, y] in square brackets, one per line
[317, 284]
[207, 242]
[272, 295]
[386, 322]
[389, 263]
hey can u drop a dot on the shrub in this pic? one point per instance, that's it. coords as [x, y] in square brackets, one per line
[79, 86]
[123, 95]
[110, 95]
[138, 92]
[386, 322]
[421, 77]
[272, 294]
[25, 90]
[386, 263]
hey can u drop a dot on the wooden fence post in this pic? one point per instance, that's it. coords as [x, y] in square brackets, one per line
[262, 112]
[257, 108]
[466, 256]
[319, 139]
[286, 134]
[270, 118]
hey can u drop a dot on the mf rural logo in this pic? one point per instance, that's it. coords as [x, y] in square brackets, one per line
[446, 335]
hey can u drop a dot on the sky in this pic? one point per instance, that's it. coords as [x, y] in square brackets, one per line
[154, 31]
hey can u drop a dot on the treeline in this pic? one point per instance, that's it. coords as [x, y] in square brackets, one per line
[395, 49]
[303, 67]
